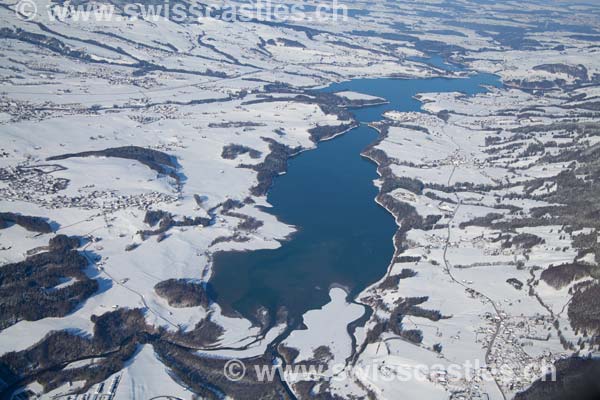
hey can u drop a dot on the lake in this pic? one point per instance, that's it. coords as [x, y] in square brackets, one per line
[344, 237]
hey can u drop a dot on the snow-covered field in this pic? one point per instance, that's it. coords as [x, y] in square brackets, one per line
[464, 271]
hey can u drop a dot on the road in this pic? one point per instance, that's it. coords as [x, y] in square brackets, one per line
[448, 270]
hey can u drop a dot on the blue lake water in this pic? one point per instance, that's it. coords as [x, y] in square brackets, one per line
[343, 236]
